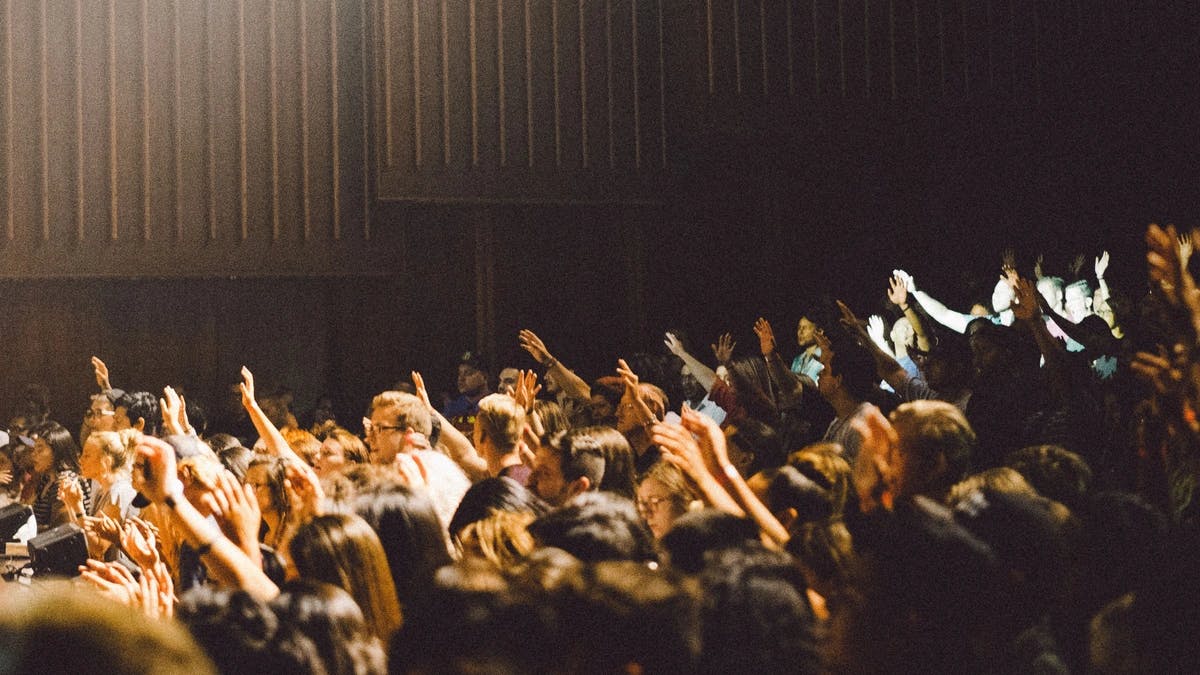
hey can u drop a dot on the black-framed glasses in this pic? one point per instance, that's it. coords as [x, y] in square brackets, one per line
[370, 427]
[650, 504]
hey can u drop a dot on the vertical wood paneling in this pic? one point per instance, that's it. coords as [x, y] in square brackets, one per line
[9, 152]
[44, 122]
[113, 217]
[145, 80]
[80, 209]
[273, 80]
[335, 171]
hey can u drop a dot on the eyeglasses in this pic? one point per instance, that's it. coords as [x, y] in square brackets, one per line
[89, 413]
[370, 428]
[650, 504]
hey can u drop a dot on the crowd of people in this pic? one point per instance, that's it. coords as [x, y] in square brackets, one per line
[1010, 488]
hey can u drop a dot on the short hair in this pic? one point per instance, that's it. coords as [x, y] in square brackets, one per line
[501, 420]
[119, 446]
[144, 406]
[824, 464]
[580, 456]
[596, 526]
[933, 434]
[619, 472]
[410, 411]
[1054, 471]
[343, 550]
[1000, 479]
[697, 533]
[352, 446]
[491, 495]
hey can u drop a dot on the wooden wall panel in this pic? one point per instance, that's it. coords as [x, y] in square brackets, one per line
[184, 138]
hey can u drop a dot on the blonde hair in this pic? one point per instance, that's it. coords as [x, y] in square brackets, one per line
[671, 477]
[826, 460]
[303, 443]
[501, 538]
[501, 420]
[119, 446]
[1001, 479]
[410, 411]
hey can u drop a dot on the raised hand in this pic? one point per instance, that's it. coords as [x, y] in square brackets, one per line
[1077, 265]
[673, 344]
[422, 392]
[247, 388]
[1185, 249]
[723, 348]
[1025, 304]
[766, 336]
[826, 347]
[304, 491]
[897, 291]
[633, 395]
[852, 325]
[174, 412]
[527, 389]
[877, 331]
[709, 438]
[910, 284]
[103, 527]
[157, 592]
[1037, 266]
[240, 516]
[1008, 260]
[1101, 264]
[159, 479]
[531, 343]
[101, 372]
[679, 447]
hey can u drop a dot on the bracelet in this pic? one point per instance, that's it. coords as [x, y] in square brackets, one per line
[550, 363]
[905, 308]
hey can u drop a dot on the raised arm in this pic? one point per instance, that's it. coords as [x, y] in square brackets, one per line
[1027, 311]
[571, 384]
[955, 321]
[898, 294]
[789, 387]
[275, 443]
[703, 374]
[224, 560]
[886, 366]
[455, 443]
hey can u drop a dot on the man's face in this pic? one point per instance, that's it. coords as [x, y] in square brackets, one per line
[100, 414]
[1078, 303]
[508, 380]
[470, 380]
[1052, 291]
[691, 386]
[92, 460]
[806, 333]
[121, 419]
[386, 438]
[547, 478]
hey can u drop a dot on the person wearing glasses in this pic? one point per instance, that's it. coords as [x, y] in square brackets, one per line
[662, 496]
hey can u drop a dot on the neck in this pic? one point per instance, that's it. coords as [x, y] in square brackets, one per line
[843, 404]
[504, 461]
[901, 350]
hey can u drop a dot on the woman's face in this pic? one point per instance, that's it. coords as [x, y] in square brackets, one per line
[257, 476]
[656, 506]
[43, 456]
[330, 458]
[93, 463]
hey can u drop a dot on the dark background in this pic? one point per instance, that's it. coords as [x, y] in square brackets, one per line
[1048, 127]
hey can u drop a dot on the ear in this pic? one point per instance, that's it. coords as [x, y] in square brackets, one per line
[579, 486]
[140, 424]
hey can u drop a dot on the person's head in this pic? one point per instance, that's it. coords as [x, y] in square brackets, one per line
[902, 332]
[242, 634]
[793, 497]
[1002, 296]
[934, 450]
[606, 396]
[697, 534]
[851, 375]
[267, 475]
[54, 449]
[997, 349]
[663, 494]
[568, 463]
[101, 413]
[754, 446]
[596, 526]
[1077, 300]
[343, 550]
[628, 418]
[338, 448]
[806, 333]
[328, 616]
[472, 377]
[499, 425]
[303, 443]
[550, 416]
[825, 465]
[1054, 471]
[756, 616]
[232, 454]
[106, 453]
[495, 494]
[947, 367]
[507, 383]
[501, 539]
[58, 628]
[1000, 479]
[392, 414]
[138, 410]
[413, 539]
[1051, 289]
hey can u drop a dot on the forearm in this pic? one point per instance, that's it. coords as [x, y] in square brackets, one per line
[571, 384]
[703, 374]
[274, 441]
[789, 387]
[223, 559]
[914, 319]
[749, 502]
[461, 450]
[955, 321]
